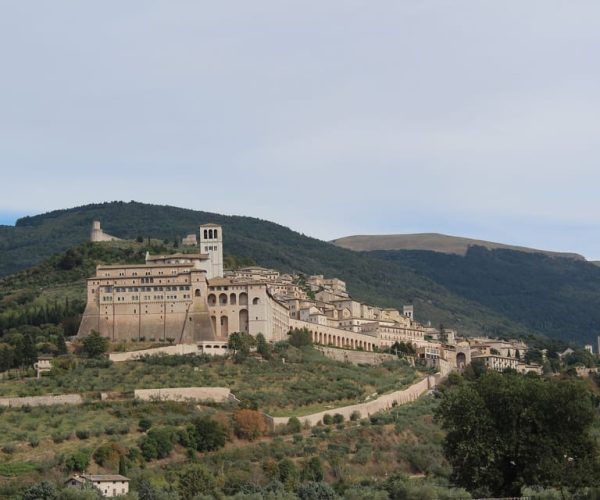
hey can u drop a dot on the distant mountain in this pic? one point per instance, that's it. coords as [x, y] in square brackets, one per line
[495, 292]
[433, 242]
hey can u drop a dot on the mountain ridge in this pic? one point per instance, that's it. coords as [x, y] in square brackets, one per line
[434, 242]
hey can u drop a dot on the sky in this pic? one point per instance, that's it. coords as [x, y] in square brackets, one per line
[473, 118]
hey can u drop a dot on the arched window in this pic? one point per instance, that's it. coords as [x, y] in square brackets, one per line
[255, 301]
[223, 299]
[243, 299]
[232, 299]
[197, 292]
[205, 234]
[210, 233]
[212, 299]
[215, 234]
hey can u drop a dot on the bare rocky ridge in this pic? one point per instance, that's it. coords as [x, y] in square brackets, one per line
[433, 242]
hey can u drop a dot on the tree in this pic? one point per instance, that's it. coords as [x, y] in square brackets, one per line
[78, 461]
[313, 490]
[94, 345]
[207, 434]
[294, 425]
[262, 347]
[61, 345]
[534, 356]
[507, 431]
[29, 351]
[40, 491]
[240, 343]
[249, 424]
[196, 480]
[158, 443]
[313, 470]
[299, 337]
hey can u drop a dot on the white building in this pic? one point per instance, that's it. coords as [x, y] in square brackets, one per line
[110, 485]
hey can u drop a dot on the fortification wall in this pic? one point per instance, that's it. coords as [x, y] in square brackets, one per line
[205, 394]
[356, 357]
[62, 399]
[118, 357]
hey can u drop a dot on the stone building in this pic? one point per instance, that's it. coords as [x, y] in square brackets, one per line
[110, 485]
[98, 235]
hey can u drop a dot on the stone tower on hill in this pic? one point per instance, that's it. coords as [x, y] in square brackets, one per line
[97, 234]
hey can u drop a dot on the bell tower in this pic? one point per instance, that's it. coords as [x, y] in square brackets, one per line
[211, 243]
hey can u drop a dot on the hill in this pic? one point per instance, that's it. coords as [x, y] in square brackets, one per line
[495, 292]
[557, 297]
[433, 242]
[373, 280]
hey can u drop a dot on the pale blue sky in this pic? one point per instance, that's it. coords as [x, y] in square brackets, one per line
[341, 117]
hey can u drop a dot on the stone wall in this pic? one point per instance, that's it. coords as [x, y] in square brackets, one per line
[356, 357]
[205, 394]
[382, 403]
[117, 357]
[62, 399]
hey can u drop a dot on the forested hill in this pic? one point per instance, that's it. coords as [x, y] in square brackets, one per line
[557, 297]
[370, 279]
[491, 292]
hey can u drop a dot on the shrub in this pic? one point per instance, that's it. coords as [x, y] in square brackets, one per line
[355, 416]
[82, 433]
[34, 441]
[158, 443]
[316, 491]
[144, 424]
[94, 345]
[40, 491]
[338, 418]
[327, 419]
[313, 470]
[294, 426]
[249, 424]
[9, 448]
[196, 480]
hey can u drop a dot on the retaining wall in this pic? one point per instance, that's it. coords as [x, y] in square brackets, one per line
[356, 357]
[62, 399]
[205, 394]
[385, 402]
[117, 357]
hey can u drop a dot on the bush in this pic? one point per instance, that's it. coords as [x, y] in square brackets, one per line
[249, 424]
[316, 491]
[196, 480]
[355, 416]
[82, 434]
[294, 426]
[34, 441]
[41, 491]
[338, 418]
[9, 448]
[327, 419]
[94, 345]
[144, 424]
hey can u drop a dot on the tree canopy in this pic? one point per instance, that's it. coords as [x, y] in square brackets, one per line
[508, 431]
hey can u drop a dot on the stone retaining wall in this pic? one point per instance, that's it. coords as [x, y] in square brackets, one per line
[356, 357]
[204, 394]
[117, 357]
[62, 399]
[385, 402]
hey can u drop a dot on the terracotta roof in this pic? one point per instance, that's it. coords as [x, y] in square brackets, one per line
[104, 477]
[201, 256]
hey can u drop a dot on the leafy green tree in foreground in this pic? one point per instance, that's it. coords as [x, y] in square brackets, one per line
[506, 432]
[94, 345]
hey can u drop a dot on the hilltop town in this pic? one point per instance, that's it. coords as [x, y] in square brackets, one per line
[189, 298]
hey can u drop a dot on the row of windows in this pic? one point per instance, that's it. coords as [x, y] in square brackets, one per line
[109, 289]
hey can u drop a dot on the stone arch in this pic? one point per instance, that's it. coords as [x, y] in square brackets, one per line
[224, 326]
[243, 317]
[243, 299]
[232, 299]
[255, 301]
[461, 360]
[212, 300]
[223, 299]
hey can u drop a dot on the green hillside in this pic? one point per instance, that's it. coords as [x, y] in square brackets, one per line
[369, 279]
[557, 297]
